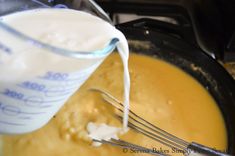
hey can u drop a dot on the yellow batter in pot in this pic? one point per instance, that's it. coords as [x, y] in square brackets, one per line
[160, 93]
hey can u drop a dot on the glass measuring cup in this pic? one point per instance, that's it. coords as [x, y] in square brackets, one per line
[29, 98]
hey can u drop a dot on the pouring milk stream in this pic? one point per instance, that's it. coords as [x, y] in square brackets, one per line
[34, 81]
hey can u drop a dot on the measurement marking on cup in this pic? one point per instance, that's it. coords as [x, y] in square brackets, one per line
[55, 76]
[42, 88]
[65, 80]
[46, 106]
[9, 110]
[32, 101]
[35, 101]
[33, 113]
[11, 123]
[14, 111]
[56, 91]
[32, 86]
[13, 94]
[24, 118]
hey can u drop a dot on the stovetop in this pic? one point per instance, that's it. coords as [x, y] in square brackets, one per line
[211, 20]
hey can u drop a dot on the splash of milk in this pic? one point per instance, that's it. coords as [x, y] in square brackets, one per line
[63, 28]
[102, 132]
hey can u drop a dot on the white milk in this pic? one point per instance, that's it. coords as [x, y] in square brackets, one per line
[34, 82]
[102, 132]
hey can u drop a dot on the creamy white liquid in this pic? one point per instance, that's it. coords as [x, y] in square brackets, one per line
[63, 28]
[102, 132]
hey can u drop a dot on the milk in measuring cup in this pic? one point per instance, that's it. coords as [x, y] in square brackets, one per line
[34, 81]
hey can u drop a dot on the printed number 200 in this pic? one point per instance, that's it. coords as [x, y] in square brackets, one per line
[13, 94]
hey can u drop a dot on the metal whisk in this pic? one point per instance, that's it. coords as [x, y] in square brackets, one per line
[153, 132]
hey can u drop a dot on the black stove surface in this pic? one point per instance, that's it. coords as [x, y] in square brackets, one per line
[212, 20]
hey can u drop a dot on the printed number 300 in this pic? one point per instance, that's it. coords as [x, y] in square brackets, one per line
[56, 76]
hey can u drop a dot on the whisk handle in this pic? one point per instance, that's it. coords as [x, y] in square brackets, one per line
[195, 149]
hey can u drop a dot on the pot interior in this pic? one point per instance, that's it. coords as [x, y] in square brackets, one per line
[193, 61]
